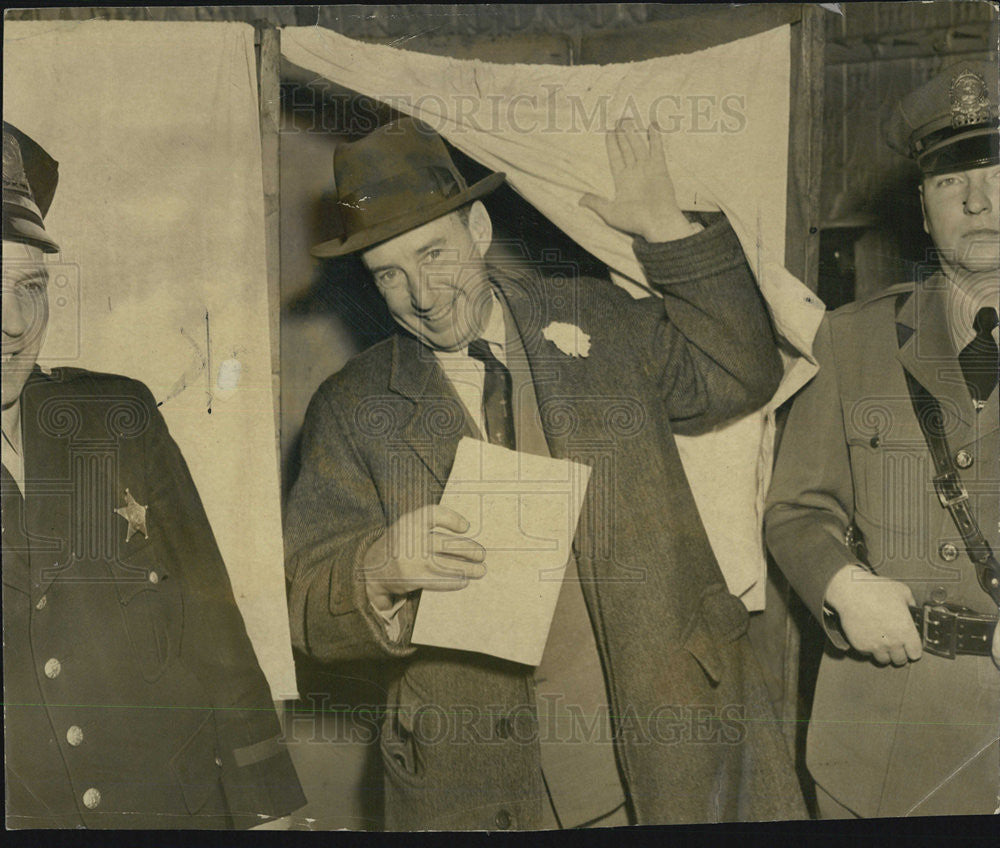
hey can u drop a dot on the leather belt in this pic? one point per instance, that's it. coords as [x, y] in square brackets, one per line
[947, 630]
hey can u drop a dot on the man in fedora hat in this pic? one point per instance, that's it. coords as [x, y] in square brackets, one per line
[132, 695]
[647, 706]
[885, 503]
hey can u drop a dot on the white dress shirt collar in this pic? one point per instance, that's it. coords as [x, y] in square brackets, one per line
[466, 374]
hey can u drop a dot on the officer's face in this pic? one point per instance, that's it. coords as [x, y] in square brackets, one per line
[25, 314]
[434, 278]
[962, 215]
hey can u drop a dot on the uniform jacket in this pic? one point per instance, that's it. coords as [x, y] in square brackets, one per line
[133, 697]
[459, 740]
[920, 739]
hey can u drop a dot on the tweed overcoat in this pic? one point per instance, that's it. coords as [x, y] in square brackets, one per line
[132, 695]
[695, 738]
[887, 741]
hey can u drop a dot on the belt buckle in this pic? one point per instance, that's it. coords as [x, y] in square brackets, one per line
[940, 634]
[950, 489]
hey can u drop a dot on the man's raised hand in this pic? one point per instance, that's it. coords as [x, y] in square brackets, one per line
[645, 202]
[414, 554]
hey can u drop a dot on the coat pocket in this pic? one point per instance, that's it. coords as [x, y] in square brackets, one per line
[152, 610]
[721, 619]
[196, 766]
[398, 744]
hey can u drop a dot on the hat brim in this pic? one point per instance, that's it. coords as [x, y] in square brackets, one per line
[965, 152]
[27, 232]
[396, 226]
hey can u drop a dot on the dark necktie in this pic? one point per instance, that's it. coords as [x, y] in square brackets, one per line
[979, 359]
[497, 408]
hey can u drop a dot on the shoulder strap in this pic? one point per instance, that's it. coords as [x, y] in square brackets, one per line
[948, 483]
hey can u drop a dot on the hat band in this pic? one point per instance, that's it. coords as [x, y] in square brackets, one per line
[26, 207]
[945, 134]
[963, 153]
[380, 202]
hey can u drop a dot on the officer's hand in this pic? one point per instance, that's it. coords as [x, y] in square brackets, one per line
[414, 553]
[875, 616]
[645, 203]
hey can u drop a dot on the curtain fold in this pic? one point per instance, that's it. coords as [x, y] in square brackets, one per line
[725, 111]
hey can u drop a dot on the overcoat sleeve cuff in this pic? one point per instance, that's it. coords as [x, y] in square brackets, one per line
[708, 253]
[353, 598]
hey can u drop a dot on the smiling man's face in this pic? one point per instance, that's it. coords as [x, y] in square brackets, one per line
[962, 216]
[25, 314]
[434, 278]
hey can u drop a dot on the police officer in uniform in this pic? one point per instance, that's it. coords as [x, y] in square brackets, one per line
[132, 695]
[884, 507]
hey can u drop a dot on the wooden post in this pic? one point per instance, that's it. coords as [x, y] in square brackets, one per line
[805, 147]
[805, 157]
[268, 47]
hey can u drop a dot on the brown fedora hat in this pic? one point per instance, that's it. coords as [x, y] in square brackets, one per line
[395, 179]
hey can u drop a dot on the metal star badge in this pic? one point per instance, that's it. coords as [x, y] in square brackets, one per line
[135, 514]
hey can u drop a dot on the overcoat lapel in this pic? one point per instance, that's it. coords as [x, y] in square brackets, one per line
[527, 312]
[437, 419]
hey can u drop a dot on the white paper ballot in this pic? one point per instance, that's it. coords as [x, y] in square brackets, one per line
[523, 509]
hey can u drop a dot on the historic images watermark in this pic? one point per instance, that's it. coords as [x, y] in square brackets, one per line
[323, 108]
[318, 719]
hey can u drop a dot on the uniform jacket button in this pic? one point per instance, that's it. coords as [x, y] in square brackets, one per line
[74, 735]
[91, 798]
[153, 577]
[502, 820]
[42, 601]
[218, 761]
[963, 459]
[948, 552]
[52, 668]
[939, 595]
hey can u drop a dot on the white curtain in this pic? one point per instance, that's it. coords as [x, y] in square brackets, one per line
[162, 276]
[725, 111]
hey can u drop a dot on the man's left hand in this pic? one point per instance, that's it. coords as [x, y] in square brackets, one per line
[645, 202]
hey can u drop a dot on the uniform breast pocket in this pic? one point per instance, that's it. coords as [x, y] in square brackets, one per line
[152, 609]
[887, 463]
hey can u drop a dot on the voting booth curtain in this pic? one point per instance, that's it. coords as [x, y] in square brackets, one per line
[162, 275]
[725, 113]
